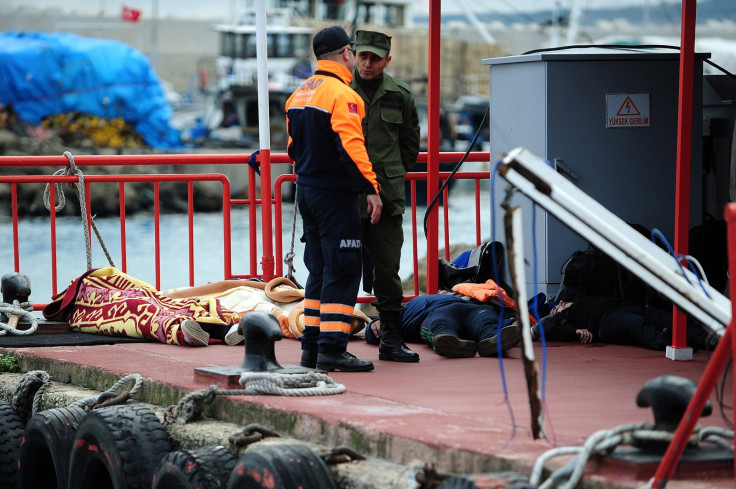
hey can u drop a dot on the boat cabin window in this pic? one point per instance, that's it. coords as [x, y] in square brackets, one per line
[280, 45]
[380, 13]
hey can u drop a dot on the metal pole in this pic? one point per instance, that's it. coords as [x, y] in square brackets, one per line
[684, 154]
[713, 370]
[154, 34]
[264, 137]
[433, 140]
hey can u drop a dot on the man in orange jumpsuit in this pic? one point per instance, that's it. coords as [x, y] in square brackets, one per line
[324, 122]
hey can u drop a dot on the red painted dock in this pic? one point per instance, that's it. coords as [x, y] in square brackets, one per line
[452, 412]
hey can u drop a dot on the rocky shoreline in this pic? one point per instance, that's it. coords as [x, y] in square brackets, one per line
[104, 201]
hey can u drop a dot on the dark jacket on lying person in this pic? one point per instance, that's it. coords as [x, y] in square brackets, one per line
[618, 321]
[453, 326]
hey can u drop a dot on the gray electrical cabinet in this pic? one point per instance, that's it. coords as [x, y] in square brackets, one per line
[607, 120]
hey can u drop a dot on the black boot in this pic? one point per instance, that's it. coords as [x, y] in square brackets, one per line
[344, 362]
[700, 338]
[309, 358]
[392, 348]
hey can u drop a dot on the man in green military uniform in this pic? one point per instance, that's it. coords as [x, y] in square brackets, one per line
[391, 129]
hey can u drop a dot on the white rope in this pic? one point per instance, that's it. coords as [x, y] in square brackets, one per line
[305, 384]
[23, 310]
[599, 442]
[59, 194]
[605, 441]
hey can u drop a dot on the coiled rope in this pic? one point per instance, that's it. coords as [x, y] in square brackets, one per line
[304, 384]
[605, 441]
[21, 310]
[61, 202]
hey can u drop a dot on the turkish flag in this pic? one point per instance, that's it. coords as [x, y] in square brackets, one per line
[131, 14]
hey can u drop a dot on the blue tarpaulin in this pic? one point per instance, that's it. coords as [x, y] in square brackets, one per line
[43, 74]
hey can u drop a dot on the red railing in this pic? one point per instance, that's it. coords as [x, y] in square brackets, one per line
[252, 202]
[156, 180]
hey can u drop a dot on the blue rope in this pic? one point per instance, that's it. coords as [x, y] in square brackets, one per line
[500, 302]
[695, 271]
[656, 233]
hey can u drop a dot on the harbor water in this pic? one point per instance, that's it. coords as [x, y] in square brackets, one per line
[35, 255]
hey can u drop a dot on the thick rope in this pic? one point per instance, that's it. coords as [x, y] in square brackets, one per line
[605, 441]
[306, 384]
[34, 384]
[310, 383]
[105, 397]
[79, 190]
[21, 309]
[192, 405]
[289, 258]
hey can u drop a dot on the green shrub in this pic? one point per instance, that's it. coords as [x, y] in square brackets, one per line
[8, 363]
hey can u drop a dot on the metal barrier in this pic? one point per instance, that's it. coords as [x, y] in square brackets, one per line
[121, 180]
[252, 202]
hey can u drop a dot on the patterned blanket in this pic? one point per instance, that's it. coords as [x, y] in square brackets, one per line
[107, 301]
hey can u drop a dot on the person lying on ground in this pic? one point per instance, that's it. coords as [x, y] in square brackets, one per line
[110, 302]
[453, 326]
[617, 321]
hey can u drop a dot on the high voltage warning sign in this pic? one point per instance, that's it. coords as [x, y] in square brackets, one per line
[627, 110]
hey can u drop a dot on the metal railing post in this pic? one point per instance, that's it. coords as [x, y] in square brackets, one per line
[719, 360]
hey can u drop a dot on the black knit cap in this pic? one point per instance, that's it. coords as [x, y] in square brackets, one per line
[330, 39]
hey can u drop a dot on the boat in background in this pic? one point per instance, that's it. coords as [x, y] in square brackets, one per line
[289, 30]
[289, 63]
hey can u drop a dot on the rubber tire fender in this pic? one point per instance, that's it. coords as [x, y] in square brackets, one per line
[282, 466]
[117, 447]
[44, 455]
[207, 467]
[11, 434]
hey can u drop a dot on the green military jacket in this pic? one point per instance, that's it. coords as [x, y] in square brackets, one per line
[391, 129]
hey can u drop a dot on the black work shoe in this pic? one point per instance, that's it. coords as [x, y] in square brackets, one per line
[451, 346]
[343, 362]
[309, 359]
[396, 352]
[510, 337]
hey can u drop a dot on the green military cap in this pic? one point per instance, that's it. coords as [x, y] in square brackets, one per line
[375, 42]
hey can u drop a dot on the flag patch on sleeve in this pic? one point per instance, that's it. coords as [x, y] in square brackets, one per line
[353, 108]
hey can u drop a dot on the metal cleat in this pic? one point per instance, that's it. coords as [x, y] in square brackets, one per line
[261, 330]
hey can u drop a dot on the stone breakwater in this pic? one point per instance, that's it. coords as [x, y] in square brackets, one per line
[104, 198]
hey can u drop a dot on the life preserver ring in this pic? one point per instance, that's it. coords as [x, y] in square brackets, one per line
[287, 466]
[11, 434]
[43, 460]
[208, 467]
[117, 447]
